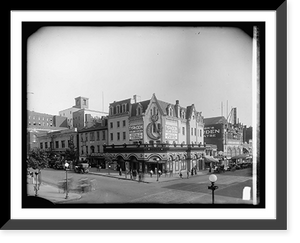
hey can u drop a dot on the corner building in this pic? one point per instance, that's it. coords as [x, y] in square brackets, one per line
[155, 135]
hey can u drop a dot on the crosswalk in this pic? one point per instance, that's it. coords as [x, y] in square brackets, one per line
[227, 180]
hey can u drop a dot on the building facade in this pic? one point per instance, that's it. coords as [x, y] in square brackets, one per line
[155, 135]
[41, 123]
[91, 141]
[58, 142]
[228, 137]
[80, 115]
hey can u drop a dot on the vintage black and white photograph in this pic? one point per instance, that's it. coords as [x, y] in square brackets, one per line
[152, 115]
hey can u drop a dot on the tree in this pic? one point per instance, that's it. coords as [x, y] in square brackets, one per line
[37, 159]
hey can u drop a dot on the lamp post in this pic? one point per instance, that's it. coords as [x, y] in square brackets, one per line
[66, 166]
[213, 178]
[36, 183]
[157, 160]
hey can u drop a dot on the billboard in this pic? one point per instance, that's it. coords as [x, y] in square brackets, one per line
[213, 131]
[136, 132]
[171, 132]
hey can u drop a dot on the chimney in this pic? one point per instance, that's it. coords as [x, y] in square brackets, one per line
[177, 107]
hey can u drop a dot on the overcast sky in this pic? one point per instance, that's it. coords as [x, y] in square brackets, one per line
[195, 65]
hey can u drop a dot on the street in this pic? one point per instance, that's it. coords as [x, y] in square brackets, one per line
[194, 190]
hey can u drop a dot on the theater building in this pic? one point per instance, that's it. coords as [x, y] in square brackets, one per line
[155, 135]
[227, 136]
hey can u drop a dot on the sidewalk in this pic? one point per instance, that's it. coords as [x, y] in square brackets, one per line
[147, 178]
[51, 193]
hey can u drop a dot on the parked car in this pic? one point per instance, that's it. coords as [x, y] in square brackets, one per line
[82, 168]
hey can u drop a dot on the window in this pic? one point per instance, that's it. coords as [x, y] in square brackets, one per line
[98, 148]
[111, 136]
[124, 123]
[46, 145]
[139, 111]
[92, 149]
[92, 136]
[56, 144]
[81, 137]
[111, 125]
[195, 132]
[111, 109]
[118, 109]
[63, 145]
[118, 123]
[200, 133]
[86, 136]
[118, 136]
[84, 101]
[41, 145]
[183, 130]
[103, 135]
[98, 135]
[124, 135]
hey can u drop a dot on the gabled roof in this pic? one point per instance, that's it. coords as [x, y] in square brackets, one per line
[144, 105]
[215, 120]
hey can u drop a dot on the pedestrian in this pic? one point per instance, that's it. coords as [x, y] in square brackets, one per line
[159, 173]
[151, 173]
[120, 171]
[180, 174]
[192, 172]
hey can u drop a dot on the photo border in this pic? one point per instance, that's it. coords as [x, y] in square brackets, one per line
[191, 224]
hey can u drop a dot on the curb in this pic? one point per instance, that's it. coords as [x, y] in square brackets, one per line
[120, 178]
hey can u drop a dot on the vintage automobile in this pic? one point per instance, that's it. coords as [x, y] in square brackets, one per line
[82, 168]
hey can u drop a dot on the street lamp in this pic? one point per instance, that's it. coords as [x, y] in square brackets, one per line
[36, 183]
[66, 166]
[213, 178]
[157, 160]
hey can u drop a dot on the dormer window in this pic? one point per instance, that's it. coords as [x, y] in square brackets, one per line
[139, 111]
[118, 109]
[170, 111]
[111, 110]
[182, 114]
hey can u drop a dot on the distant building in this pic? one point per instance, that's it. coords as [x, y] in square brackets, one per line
[227, 136]
[80, 115]
[41, 123]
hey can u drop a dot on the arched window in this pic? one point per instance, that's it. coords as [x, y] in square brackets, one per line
[139, 111]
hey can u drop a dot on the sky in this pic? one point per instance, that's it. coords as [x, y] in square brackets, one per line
[204, 66]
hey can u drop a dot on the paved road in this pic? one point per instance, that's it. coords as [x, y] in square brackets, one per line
[182, 191]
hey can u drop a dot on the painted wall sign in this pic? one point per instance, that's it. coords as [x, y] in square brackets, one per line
[136, 131]
[213, 131]
[171, 132]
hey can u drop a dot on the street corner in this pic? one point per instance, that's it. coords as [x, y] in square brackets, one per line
[52, 194]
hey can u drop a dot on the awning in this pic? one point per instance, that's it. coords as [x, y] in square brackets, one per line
[241, 156]
[210, 159]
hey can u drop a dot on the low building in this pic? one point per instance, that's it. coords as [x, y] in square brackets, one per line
[58, 141]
